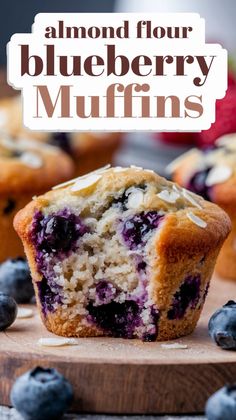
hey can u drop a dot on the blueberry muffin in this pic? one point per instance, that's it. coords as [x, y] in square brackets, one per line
[89, 151]
[26, 168]
[121, 252]
[11, 120]
[212, 174]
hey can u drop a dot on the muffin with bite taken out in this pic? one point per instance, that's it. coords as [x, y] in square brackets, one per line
[121, 252]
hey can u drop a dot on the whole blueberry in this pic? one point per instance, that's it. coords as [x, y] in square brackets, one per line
[8, 311]
[41, 394]
[15, 280]
[222, 404]
[222, 326]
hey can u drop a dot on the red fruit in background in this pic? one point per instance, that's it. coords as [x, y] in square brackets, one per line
[178, 138]
[231, 79]
[225, 122]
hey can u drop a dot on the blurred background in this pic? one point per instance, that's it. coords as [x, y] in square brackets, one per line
[148, 150]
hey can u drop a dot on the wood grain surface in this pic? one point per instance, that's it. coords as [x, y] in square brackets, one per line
[126, 376]
[7, 413]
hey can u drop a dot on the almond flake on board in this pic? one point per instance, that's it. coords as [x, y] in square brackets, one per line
[196, 220]
[218, 174]
[174, 346]
[57, 341]
[169, 196]
[24, 313]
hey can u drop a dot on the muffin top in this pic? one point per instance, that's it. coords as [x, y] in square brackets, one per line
[11, 120]
[74, 144]
[27, 165]
[189, 221]
[210, 173]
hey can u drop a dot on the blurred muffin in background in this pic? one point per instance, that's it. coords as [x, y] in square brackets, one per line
[11, 122]
[27, 168]
[212, 174]
[89, 151]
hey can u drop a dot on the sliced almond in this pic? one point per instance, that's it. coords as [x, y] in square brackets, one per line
[24, 313]
[83, 184]
[31, 159]
[135, 199]
[197, 220]
[150, 171]
[168, 196]
[174, 346]
[119, 169]
[191, 199]
[228, 140]
[218, 174]
[57, 341]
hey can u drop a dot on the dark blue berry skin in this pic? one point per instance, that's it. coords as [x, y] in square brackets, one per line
[105, 292]
[57, 233]
[222, 326]
[63, 141]
[222, 404]
[116, 319]
[47, 297]
[8, 311]
[187, 296]
[15, 280]
[137, 227]
[41, 394]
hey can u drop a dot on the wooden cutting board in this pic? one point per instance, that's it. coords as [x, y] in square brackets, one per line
[126, 376]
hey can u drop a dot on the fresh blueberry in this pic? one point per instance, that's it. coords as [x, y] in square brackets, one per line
[137, 227]
[57, 232]
[15, 280]
[8, 311]
[197, 183]
[222, 326]
[187, 296]
[41, 394]
[222, 404]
